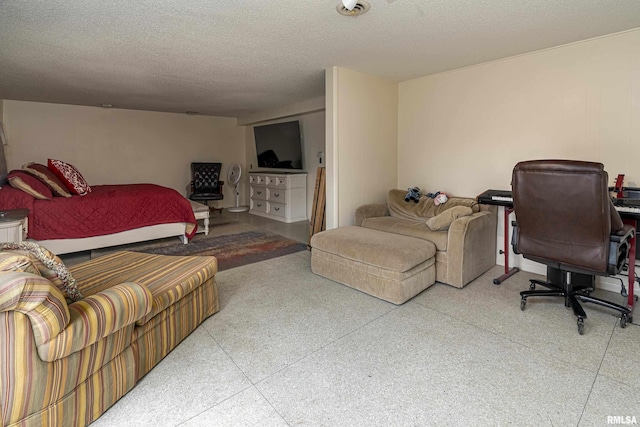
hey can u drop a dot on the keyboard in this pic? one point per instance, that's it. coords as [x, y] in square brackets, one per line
[630, 209]
[627, 205]
[502, 198]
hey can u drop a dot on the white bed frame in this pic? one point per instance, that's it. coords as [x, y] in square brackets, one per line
[160, 231]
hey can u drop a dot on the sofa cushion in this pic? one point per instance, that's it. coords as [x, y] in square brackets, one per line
[169, 278]
[425, 208]
[410, 228]
[443, 220]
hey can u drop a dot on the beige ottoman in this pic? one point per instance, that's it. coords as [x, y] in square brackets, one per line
[388, 266]
[201, 212]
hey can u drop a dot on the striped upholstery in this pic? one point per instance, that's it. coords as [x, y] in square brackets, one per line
[169, 278]
[38, 299]
[96, 317]
[65, 365]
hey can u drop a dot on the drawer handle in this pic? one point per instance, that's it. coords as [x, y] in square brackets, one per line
[277, 209]
[276, 194]
[259, 205]
[259, 192]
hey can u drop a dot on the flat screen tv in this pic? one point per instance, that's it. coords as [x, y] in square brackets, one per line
[279, 145]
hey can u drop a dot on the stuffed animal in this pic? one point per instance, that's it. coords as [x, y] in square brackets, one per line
[413, 194]
[439, 197]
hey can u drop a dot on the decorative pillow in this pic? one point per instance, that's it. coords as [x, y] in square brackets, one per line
[41, 171]
[443, 220]
[10, 261]
[70, 176]
[67, 283]
[29, 184]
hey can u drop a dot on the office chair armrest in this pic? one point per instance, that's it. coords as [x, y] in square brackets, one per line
[514, 237]
[619, 244]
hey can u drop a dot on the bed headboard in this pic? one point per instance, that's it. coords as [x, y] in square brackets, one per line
[3, 166]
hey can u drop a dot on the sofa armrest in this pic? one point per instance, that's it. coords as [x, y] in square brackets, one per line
[471, 248]
[98, 316]
[371, 211]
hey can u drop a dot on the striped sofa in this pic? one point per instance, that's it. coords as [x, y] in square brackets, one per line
[65, 363]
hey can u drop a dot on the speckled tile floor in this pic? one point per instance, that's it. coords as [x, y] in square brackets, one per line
[289, 348]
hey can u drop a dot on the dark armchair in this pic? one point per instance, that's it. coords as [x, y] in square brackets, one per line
[565, 219]
[206, 184]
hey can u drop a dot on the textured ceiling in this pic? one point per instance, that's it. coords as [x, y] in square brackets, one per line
[239, 57]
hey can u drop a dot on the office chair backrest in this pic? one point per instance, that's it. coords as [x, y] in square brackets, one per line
[564, 213]
[205, 177]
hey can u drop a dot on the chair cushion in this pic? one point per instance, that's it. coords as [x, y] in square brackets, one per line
[410, 228]
[443, 220]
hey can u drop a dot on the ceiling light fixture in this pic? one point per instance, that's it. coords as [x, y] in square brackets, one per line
[349, 4]
[352, 7]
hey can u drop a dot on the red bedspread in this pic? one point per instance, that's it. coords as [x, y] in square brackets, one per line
[107, 209]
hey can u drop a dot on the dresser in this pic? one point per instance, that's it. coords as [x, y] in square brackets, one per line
[13, 225]
[279, 196]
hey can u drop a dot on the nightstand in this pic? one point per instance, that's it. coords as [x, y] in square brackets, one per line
[13, 225]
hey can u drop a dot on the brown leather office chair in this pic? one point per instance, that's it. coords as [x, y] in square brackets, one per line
[566, 220]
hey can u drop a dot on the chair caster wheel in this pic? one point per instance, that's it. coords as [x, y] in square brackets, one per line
[623, 321]
[581, 326]
[523, 303]
[532, 286]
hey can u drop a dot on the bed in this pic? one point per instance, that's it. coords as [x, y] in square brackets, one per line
[107, 215]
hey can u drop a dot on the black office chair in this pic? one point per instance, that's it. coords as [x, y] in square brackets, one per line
[206, 184]
[566, 220]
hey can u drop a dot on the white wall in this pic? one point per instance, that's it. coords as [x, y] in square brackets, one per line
[312, 128]
[362, 129]
[464, 130]
[114, 146]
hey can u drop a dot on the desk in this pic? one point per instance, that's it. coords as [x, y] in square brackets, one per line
[503, 198]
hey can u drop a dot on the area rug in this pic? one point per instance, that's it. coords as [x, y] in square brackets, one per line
[232, 243]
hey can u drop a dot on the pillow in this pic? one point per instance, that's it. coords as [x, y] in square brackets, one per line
[70, 176]
[41, 171]
[10, 261]
[54, 266]
[443, 220]
[29, 184]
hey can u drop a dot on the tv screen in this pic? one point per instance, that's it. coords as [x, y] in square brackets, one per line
[279, 145]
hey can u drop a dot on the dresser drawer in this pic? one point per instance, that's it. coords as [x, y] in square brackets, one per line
[277, 181]
[258, 193]
[257, 179]
[276, 209]
[259, 206]
[277, 195]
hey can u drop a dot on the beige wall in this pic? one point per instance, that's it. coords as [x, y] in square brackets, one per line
[362, 129]
[464, 130]
[312, 126]
[114, 146]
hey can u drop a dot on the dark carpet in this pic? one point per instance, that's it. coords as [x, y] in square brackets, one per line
[238, 247]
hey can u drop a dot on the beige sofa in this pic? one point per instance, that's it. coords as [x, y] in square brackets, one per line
[463, 232]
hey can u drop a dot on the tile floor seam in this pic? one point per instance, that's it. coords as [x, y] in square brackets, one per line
[323, 347]
[506, 338]
[595, 378]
